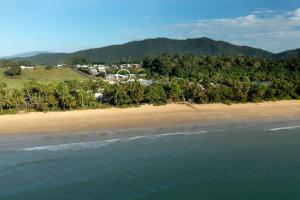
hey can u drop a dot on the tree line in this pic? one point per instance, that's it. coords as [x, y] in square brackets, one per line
[175, 79]
[14, 68]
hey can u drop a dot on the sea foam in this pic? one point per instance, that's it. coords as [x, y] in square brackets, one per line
[103, 143]
[284, 128]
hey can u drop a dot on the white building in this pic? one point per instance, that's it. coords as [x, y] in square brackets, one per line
[126, 66]
[110, 77]
[25, 67]
[145, 82]
[122, 76]
[82, 66]
[93, 70]
[99, 96]
[136, 66]
[101, 68]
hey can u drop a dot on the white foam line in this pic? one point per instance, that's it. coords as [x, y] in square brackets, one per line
[284, 128]
[98, 144]
[219, 130]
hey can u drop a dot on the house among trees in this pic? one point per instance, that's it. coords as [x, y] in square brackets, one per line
[101, 68]
[266, 83]
[81, 66]
[93, 71]
[110, 77]
[60, 65]
[99, 96]
[127, 66]
[145, 82]
[25, 67]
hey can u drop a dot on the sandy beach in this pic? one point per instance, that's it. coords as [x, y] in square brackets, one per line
[145, 116]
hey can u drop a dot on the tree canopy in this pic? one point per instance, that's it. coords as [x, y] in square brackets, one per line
[195, 79]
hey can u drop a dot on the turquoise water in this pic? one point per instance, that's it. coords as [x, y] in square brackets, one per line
[233, 161]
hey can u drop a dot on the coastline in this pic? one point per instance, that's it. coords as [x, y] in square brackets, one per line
[145, 116]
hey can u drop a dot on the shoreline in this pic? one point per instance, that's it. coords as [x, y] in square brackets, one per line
[145, 116]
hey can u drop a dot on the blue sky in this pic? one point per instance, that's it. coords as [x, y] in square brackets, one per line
[70, 25]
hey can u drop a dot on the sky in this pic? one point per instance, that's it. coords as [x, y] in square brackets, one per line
[71, 25]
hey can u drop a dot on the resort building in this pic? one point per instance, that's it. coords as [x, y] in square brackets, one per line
[25, 67]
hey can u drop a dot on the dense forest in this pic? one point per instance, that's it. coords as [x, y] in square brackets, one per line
[137, 50]
[195, 79]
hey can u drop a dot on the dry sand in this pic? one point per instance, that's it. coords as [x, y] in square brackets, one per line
[145, 116]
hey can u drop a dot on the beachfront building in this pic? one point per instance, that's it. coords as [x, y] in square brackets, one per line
[127, 66]
[136, 66]
[145, 82]
[110, 77]
[93, 71]
[25, 67]
[60, 65]
[101, 68]
[81, 66]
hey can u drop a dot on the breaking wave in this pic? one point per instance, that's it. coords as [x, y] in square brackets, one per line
[99, 144]
[284, 128]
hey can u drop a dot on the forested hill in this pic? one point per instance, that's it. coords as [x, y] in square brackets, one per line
[289, 54]
[136, 51]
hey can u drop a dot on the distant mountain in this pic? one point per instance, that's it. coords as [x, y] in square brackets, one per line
[289, 54]
[137, 50]
[25, 55]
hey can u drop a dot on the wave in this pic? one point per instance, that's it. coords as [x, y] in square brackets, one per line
[284, 128]
[103, 143]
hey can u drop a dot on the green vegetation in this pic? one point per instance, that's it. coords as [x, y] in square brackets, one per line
[229, 79]
[136, 51]
[41, 75]
[292, 54]
[176, 79]
[13, 71]
[77, 60]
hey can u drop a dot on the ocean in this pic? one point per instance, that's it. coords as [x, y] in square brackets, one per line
[238, 160]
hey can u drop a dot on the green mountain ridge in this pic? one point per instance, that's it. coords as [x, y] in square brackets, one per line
[136, 51]
[289, 54]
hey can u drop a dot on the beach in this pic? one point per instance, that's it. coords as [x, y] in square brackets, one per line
[146, 116]
[170, 152]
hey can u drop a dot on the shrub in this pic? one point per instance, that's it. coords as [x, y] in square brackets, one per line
[13, 71]
[49, 67]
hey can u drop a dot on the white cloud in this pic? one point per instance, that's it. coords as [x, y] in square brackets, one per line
[263, 11]
[296, 15]
[267, 29]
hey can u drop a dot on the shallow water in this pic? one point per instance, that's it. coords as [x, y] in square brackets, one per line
[232, 161]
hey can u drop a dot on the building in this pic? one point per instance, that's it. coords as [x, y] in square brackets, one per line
[82, 66]
[266, 83]
[101, 68]
[110, 77]
[136, 66]
[126, 66]
[99, 96]
[93, 71]
[145, 82]
[25, 67]
[122, 76]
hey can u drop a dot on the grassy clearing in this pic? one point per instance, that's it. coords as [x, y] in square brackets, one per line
[41, 75]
